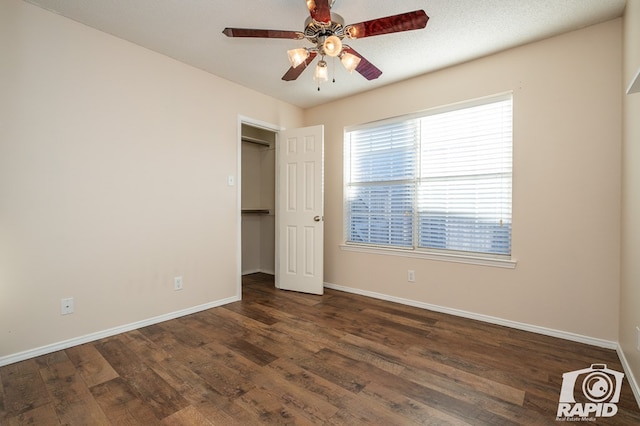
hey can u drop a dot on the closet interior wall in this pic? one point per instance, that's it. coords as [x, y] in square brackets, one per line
[258, 200]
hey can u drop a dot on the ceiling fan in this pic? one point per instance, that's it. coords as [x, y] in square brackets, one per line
[326, 30]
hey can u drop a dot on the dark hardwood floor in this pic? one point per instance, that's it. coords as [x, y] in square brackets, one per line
[281, 357]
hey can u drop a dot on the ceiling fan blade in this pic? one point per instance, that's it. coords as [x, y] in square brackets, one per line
[294, 73]
[320, 10]
[251, 32]
[365, 68]
[391, 24]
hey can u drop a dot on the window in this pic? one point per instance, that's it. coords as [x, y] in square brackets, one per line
[435, 181]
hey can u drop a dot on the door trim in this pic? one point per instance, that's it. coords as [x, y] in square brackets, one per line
[263, 125]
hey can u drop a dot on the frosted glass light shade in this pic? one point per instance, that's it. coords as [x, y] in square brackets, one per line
[322, 72]
[332, 46]
[297, 56]
[350, 61]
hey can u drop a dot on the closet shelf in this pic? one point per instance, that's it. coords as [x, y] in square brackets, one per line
[256, 211]
[634, 86]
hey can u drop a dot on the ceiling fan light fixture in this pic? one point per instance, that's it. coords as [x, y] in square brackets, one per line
[322, 72]
[350, 61]
[297, 56]
[332, 46]
[326, 31]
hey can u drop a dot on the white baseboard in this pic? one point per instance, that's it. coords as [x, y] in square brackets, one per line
[629, 374]
[43, 350]
[480, 317]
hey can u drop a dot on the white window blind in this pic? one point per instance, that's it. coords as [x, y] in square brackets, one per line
[440, 181]
[381, 190]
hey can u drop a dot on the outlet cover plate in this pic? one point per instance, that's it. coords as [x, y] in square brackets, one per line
[66, 306]
[177, 283]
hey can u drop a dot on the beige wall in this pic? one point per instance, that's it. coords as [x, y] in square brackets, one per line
[113, 179]
[566, 193]
[114, 159]
[630, 287]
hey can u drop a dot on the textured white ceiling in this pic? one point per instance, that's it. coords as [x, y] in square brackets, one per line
[458, 30]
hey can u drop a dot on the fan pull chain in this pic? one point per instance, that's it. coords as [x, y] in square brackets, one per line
[333, 66]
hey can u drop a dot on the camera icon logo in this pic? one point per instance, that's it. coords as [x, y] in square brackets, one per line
[592, 391]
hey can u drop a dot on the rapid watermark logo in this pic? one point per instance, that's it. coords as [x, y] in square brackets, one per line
[589, 393]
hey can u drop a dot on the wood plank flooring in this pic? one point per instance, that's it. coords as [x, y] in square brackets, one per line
[281, 357]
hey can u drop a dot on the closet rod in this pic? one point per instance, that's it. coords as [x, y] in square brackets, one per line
[255, 140]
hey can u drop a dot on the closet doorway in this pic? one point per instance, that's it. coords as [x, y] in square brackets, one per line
[258, 199]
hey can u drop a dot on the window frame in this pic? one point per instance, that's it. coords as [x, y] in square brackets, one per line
[415, 251]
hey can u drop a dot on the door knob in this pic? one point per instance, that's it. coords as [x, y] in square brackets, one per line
[317, 219]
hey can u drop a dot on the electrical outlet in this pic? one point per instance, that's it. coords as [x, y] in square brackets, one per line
[66, 306]
[638, 338]
[411, 276]
[177, 283]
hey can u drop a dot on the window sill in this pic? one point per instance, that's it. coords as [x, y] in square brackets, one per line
[445, 257]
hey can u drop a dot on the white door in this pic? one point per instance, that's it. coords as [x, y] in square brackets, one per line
[299, 211]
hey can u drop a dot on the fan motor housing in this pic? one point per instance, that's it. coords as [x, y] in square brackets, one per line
[315, 31]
